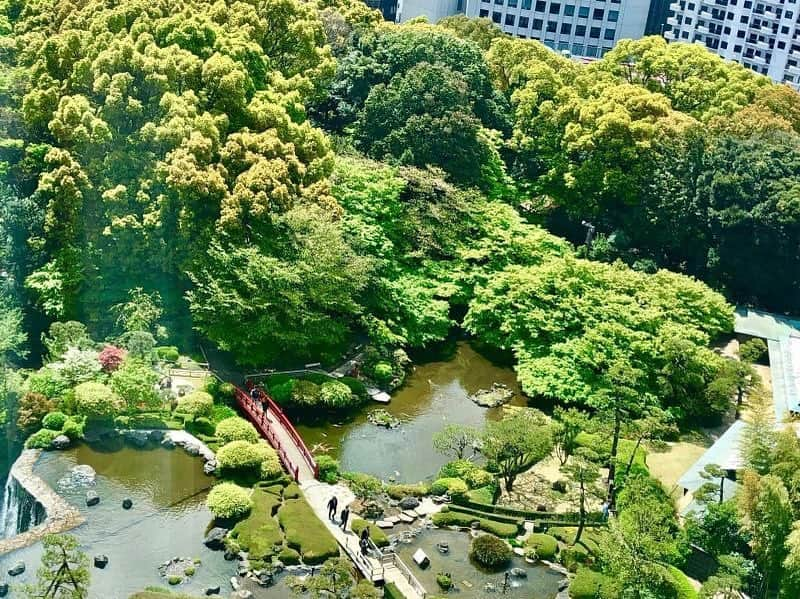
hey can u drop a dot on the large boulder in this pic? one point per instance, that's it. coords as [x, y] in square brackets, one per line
[156, 436]
[408, 503]
[60, 442]
[168, 443]
[215, 539]
[210, 467]
[3, 589]
[137, 438]
[498, 395]
[17, 569]
[100, 561]
[92, 498]
[212, 590]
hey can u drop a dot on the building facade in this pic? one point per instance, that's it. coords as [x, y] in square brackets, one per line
[432, 9]
[763, 35]
[584, 28]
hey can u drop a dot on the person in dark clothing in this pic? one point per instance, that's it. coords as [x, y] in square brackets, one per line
[254, 393]
[365, 534]
[345, 515]
[333, 503]
[364, 546]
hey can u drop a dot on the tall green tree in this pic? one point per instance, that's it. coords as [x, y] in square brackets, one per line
[64, 572]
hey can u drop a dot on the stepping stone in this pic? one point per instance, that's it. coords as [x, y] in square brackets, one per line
[409, 514]
[384, 524]
[392, 519]
[406, 519]
[519, 551]
[419, 512]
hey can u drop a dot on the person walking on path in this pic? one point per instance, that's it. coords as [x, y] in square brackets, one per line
[364, 542]
[344, 517]
[333, 503]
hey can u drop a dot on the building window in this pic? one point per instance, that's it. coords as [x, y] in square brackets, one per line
[580, 30]
[613, 15]
[537, 24]
[500, 2]
[691, 5]
[789, 14]
[726, 30]
[569, 10]
[743, 19]
[496, 17]
[563, 46]
[577, 49]
[510, 20]
[748, 4]
[551, 26]
[609, 34]
[483, 13]
[781, 45]
[598, 15]
[740, 35]
[540, 4]
[594, 33]
[512, 3]
[555, 8]
[583, 12]
[688, 21]
[737, 48]
[524, 22]
[724, 45]
[784, 29]
[591, 50]
[685, 35]
[566, 28]
[526, 4]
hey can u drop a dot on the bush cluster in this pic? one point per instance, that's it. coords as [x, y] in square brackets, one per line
[543, 546]
[589, 584]
[451, 518]
[454, 487]
[196, 404]
[328, 469]
[243, 456]
[41, 439]
[404, 490]
[491, 552]
[96, 400]
[227, 500]
[54, 421]
[376, 534]
[236, 429]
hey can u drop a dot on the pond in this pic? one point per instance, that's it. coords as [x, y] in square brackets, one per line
[168, 519]
[471, 582]
[435, 394]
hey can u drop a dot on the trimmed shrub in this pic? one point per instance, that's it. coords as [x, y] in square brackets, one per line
[589, 584]
[390, 591]
[220, 413]
[483, 494]
[479, 478]
[680, 584]
[227, 500]
[236, 429]
[96, 400]
[289, 556]
[241, 455]
[454, 487]
[168, 353]
[305, 532]
[111, 357]
[203, 426]
[376, 534]
[544, 546]
[305, 394]
[450, 518]
[282, 392]
[54, 421]
[490, 552]
[259, 534]
[196, 404]
[457, 469]
[336, 395]
[328, 469]
[41, 439]
[399, 491]
[383, 372]
[364, 486]
[148, 420]
[73, 429]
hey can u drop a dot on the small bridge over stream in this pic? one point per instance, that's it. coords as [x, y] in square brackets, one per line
[378, 565]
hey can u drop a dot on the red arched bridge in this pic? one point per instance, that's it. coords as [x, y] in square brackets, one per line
[275, 427]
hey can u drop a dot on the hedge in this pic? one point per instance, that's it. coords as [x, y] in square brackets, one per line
[680, 582]
[527, 514]
[543, 545]
[376, 534]
[478, 514]
[305, 532]
[589, 584]
[490, 551]
[450, 518]
[400, 491]
[390, 591]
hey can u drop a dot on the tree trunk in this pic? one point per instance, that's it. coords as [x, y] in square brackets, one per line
[510, 482]
[612, 466]
[633, 455]
[722, 489]
[739, 399]
[582, 515]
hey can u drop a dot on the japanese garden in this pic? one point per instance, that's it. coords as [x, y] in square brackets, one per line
[296, 302]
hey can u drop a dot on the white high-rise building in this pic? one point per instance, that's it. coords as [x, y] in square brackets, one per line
[433, 9]
[763, 35]
[587, 28]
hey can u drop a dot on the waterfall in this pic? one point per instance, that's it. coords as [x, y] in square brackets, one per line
[20, 510]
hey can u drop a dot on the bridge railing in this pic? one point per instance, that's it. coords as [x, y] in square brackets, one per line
[393, 558]
[259, 420]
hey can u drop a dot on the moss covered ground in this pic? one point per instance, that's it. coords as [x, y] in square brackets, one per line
[305, 533]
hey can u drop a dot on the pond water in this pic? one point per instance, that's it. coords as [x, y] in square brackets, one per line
[168, 518]
[435, 394]
[470, 582]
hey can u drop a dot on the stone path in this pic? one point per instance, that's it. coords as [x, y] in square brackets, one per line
[60, 515]
[389, 569]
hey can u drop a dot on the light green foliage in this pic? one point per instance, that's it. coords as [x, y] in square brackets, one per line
[63, 335]
[196, 403]
[328, 469]
[135, 382]
[54, 421]
[363, 486]
[542, 545]
[305, 533]
[140, 312]
[96, 400]
[375, 534]
[455, 440]
[259, 534]
[449, 486]
[236, 429]
[752, 350]
[73, 428]
[460, 519]
[41, 439]
[241, 455]
[335, 395]
[589, 584]
[64, 570]
[490, 552]
[78, 366]
[227, 500]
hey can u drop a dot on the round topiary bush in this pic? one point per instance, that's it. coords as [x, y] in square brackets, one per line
[41, 439]
[203, 426]
[54, 421]
[336, 395]
[541, 546]
[490, 552]
[328, 469]
[96, 400]
[454, 487]
[236, 429]
[383, 372]
[241, 455]
[457, 469]
[73, 429]
[305, 394]
[227, 500]
[196, 404]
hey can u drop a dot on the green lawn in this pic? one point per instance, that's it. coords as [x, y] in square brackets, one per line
[305, 532]
[260, 534]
